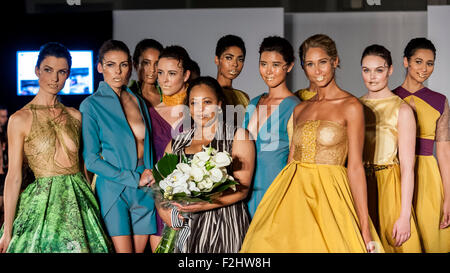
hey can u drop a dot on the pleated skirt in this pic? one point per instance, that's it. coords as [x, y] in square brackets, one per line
[385, 193]
[428, 202]
[58, 214]
[308, 208]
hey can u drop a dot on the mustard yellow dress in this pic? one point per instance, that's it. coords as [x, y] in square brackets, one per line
[305, 94]
[309, 206]
[432, 115]
[383, 172]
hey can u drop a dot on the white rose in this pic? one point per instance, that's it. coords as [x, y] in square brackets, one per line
[203, 156]
[208, 184]
[193, 187]
[216, 175]
[197, 173]
[201, 185]
[196, 162]
[181, 185]
[222, 159]
[175, 175]
[183, 167]
[163, 184]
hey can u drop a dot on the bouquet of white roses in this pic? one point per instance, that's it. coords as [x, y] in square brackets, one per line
[185, 181]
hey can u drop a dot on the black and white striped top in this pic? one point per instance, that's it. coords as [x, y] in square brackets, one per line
[220, 230]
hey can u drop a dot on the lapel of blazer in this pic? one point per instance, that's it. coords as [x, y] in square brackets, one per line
[148, 151]
[116, 107]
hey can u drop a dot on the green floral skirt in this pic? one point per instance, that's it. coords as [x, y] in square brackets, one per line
[58, 214]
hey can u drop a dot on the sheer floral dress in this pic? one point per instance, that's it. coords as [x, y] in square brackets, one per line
[58, 211]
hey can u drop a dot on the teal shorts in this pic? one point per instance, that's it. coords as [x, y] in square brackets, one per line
[133, 213]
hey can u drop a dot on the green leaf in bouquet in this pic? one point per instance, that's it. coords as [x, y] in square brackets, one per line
[182, 196]
[165, 166]
[209, 166]
[220, 187]
[195, 193]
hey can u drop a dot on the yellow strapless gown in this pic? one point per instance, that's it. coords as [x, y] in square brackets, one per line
[383, 172]
[309, 206]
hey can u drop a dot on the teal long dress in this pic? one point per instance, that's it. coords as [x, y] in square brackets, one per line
[272, 147]
[58, 212]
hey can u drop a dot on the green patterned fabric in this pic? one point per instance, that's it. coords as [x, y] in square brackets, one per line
[58, 214]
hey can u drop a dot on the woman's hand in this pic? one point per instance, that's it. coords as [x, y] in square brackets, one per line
[4, 242]
[446, 214]
[401, 231]
[147, 178]
[367, 237]
[200, 206]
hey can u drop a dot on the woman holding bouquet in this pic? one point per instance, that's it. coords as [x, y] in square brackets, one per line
[316, 204]
[432, 191]
[220, 226]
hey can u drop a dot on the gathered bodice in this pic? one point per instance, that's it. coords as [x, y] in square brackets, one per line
[381, 134]
[52, 145]
[320, 142]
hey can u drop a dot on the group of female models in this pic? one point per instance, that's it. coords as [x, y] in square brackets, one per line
[333, 173]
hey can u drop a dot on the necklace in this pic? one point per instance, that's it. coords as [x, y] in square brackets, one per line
[175, 99]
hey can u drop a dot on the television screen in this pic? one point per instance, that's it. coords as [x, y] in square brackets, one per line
[80, 81]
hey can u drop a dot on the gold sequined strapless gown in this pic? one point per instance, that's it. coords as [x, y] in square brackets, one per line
[309, 206]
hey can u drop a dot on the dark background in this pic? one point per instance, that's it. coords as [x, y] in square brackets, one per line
[85, 30]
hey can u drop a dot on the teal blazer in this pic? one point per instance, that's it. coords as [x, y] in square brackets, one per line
[109, 147]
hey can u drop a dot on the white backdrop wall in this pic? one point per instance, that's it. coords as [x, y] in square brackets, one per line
[438, 33]
[198, 30]
[352, 32]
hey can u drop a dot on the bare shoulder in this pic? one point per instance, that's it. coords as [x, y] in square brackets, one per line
[23, 115]
[406, 112]
[299, 108]
[405, 109]
[351, 108]
[74, 113]
[20, 121]
[352, 105]
[241, 134]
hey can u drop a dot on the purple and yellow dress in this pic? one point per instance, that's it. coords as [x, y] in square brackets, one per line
[384, 185]
[432, 114]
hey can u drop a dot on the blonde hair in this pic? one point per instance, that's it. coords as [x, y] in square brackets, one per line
[321, 41]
